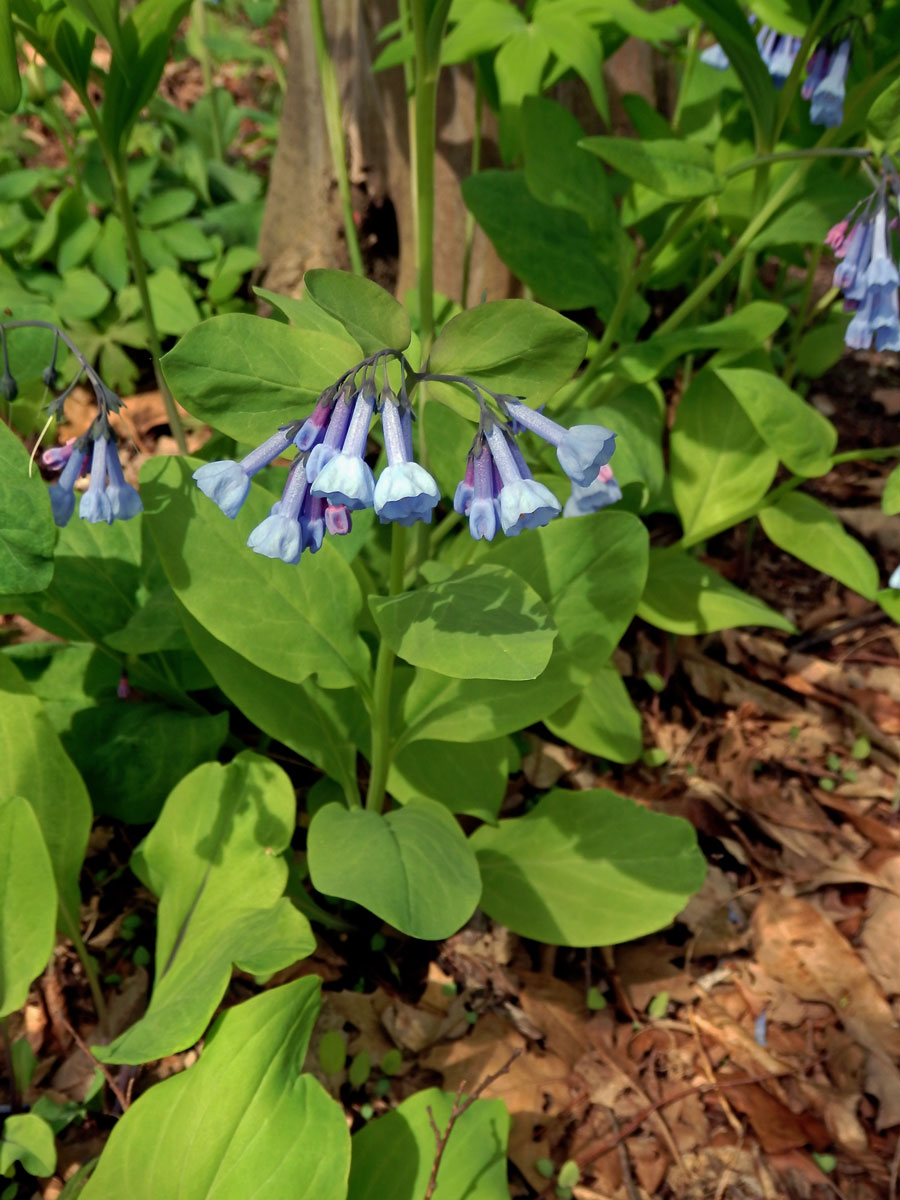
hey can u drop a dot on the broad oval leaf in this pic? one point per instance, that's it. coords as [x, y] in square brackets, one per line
[369, 314]
[601, 719]
[34, 764]
[466, 777]
[484, 622]
[883, 121]
[677, 170]
[393, 1155]
[214, 858]
[309, 625]
[805, 528]
[27, 1139]
[242, 1122]
[801, 437]
[27, 902]
[890, 497]
[587, 869]
[685, 596]
[247, 376]
[27, 532]
[412, 867]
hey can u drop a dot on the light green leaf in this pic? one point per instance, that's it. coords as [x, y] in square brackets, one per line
[324, 726]
[306, 314]
[801, 437]
[393, 1155]
[719, 465]
[587, 869]
[369, 314]
[412, 867]
[565, 35]
[636, 415]
[484, 622]
[162, 208]
[685, 596]
[558, 172]
[242, 1122]
[27, 902]
[26, 1138]
[805, 528]
[480, 27]
[467, 778]
[246, 376]
[214, 858]
[674, 169]
[34, 764]
[27, 532]
[883, 122]
[311, 610]
[601, 720]
[890, 497]
[109, 256]
[173, 305]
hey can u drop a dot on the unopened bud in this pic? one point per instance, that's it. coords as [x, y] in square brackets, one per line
[9, 389]
[50, 376]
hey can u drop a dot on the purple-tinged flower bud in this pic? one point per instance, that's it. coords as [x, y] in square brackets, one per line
[62, 493]
[95, 506]
[815, 71]
[827, 105]
[312, 523]
[337, 519]
[227, 483]
[465, 489]
[280, 534]
[483, 509]
[313, 427]
[56, 457]
[322, 453]
[9, 389]
[124, 500]
[123, 691]
[50, 376]
[347, 478]
[836, 238]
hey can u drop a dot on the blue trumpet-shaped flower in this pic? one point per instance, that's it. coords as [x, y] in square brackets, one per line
[465, 489]
[869, 279]
[280, 535]
[227, 483]
[405, 491]
[313, 427]
[581, 450]
[95, 506]
[827, 103]
[484, 508]
[603, 491]
[894, 581]
[524, 503]
[312, 523]
[62, 493]
[347, 478]
[124, 500]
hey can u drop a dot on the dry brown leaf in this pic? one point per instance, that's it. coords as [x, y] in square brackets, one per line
[880, 938]
[721, 685]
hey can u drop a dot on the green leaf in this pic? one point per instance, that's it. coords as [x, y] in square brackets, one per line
[215, 860]
[173, 305]
[162, 208]
[109, 256]
[558, 172]
[483, 622]
[636, 415]
[719, 465]
[601, 720]
[393, 1155]
[306, 314]
[80, 296]
[685, 596]
[369, 314]
[802, 438]
[27, 902]
[466, 778]
[565, 262]
[479, 28]
[242, 1122]
[34, 764]
[674, 169]
[587, 869]
[590, 572]
[411, 867]
[246, 376]
[310, 624]
[27, 1139]
[332, 1052]
[27, 532]
[890, 497]
[565, 35]
[805, 528]
[323, 726]
[103, 17]
[10, 83]
[883, 122]
[513, 346]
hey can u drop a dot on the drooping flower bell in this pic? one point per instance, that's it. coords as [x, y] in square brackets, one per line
[597, 495]
[524, 503]
[868, 276]
[405, 491]
[582, 450]
[347, 478]
[227, 483]
[108, 496]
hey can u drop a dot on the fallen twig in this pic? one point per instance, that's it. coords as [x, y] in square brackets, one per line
[85, 1049]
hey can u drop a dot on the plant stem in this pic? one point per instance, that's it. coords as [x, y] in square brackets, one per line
[334, 124]
[802, 315]
[750, 164]
[693, 45]
[74, 933]
[470, 216]
[198, 18]
[8, 1058]
[381, 692]
[126, 215]
[748, 266]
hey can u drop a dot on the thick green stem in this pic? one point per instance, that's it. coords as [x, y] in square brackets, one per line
[381, 693]
[126, 216]
[198, 19]
[334, 124]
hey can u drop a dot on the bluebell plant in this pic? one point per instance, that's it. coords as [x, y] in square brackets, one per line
[867, 272]
[826, 71]
[329, 477]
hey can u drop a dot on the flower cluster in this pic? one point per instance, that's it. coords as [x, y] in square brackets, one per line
[108, 496]
[329, 478]
[867, 275]
[826, 71]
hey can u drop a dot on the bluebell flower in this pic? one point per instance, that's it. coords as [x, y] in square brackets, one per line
[815, 71]
[827, 103]
[124, 500]
[347, 478]
[582, 450]
[62, 493]
[313, 427]
[603, 491]
[338, 521]
[94, 505]
[465, 489]
[227, 483]
[869, 278]
[405, 491]
[782, 58]
[714, 56]
[323, 452]
[312, 523]
[894, 581]
[280, 535]
[524, 503]
[484, 516]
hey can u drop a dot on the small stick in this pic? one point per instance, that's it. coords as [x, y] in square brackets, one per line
[85, 1049]
[629, 1127]
[459, 1107]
